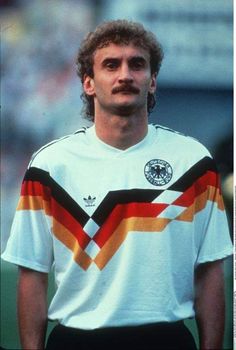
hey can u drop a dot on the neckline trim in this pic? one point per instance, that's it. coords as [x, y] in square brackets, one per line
[103, 146]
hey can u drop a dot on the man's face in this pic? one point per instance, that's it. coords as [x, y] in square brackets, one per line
[122, 79]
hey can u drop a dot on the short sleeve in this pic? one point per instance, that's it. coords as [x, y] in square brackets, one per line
[30, 243]
[211, 224]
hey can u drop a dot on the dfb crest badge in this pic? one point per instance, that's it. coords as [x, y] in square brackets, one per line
[158, 172]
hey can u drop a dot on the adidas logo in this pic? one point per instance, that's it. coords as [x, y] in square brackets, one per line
[89, 202]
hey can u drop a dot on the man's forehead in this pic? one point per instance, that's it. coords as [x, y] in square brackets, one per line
[112, 50]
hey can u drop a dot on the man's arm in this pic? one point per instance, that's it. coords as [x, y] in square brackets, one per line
[210, 304]
[32, 308]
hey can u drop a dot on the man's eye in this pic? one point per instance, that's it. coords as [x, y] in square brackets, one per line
[111, 65]
[137, 65]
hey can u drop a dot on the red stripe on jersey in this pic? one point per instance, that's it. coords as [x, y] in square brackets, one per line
[123, 211]
[199, 186]
[35, 188]
[67, 220]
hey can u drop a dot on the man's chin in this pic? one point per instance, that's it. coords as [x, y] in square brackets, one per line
[125, 109]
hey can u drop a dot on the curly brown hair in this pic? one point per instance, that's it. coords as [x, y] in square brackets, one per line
[117, 32]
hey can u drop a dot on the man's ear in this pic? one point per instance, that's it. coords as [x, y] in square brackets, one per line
[88, 85]
[153, 84]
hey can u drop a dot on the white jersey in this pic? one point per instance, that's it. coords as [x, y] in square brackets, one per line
[123, 229]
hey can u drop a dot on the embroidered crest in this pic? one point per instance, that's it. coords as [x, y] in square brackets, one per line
[158, 172]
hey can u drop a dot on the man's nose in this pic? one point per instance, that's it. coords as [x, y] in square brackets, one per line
[125, 74]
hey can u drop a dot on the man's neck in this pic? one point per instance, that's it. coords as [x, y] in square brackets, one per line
[121, 132]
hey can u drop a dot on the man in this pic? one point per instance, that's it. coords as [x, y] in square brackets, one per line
[129, 216]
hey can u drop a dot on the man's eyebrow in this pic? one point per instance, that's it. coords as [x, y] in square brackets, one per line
[110, 59]
[117, 59]
[139, 58]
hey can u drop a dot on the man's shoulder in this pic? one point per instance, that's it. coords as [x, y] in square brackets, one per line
[174, 133]
[180, 140]
[55, 149]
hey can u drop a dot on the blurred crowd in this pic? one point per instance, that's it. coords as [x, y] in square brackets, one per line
[40, 94]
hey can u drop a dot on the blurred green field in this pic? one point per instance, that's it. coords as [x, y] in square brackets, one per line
[9, 332]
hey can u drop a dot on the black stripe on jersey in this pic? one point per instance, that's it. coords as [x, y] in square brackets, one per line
[194, 173]
[111, 200]
[114, 198]
[157, 126]
[81, 131]
[58, 193]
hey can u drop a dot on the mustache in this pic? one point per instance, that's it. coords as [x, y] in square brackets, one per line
[125, 88]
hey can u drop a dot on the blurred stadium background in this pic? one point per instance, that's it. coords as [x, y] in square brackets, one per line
[40, 93]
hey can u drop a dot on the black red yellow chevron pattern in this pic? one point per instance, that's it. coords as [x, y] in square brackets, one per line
[120, 213]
